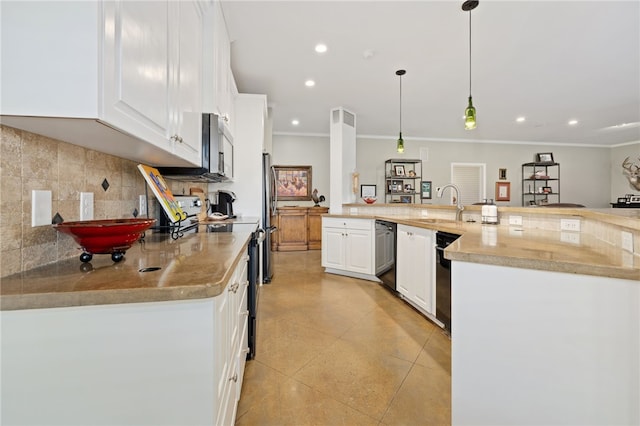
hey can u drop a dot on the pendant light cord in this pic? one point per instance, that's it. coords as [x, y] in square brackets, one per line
[469, 53]
[400, 104]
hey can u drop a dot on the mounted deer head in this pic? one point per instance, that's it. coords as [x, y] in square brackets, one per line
[632, 171]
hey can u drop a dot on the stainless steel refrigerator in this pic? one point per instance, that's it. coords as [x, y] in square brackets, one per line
[268, 208]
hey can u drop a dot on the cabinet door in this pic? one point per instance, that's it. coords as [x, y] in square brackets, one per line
[222, 64]
[187, 65]
[136, 76]
[333, 248]
[404, 262]
[358, 250]
[292, 229]
[415, 266]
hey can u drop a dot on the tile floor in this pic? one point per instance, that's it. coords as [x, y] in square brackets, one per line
[334, 350]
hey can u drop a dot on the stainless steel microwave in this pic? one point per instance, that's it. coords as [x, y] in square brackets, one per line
[217, 155]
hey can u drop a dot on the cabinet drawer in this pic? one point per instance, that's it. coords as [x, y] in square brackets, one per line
[346, 223]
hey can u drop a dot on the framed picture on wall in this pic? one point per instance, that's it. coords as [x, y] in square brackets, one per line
[503, 191]
[425, 189]
[293, 183]
[544, 157]
[367, 191]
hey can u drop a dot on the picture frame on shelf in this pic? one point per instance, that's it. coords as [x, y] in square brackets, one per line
[405, 199]
[503, 191]
[293, 183]
[396, 186]
[408, 187]
[367, 191]
[547, 190]
[544, 157]
[425, 189]
[398, 170]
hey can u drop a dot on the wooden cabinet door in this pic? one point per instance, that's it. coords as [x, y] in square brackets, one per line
[315, 227]
[292, 229]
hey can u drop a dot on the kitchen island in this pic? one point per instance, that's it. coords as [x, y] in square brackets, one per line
[159, 338]
[545, 322]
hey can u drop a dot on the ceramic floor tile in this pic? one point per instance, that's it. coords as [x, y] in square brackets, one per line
[436, 353]
[297, 404]
[334, 350]
[361, 379]
[423, 399]
[286, 346]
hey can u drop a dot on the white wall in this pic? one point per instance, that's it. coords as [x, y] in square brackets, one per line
[305, 151]
[584, 172]
[619, 183]
[589, 176]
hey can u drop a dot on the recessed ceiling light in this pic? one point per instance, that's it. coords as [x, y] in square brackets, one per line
[321, 48]
[520, 119]
[622, 126]
[295, 122]
[309, 83]
[573, 122]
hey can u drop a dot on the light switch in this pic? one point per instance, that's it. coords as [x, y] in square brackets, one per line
[40, 208]
[86, 205]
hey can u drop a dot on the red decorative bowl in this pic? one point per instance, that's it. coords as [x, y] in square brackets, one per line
[369, 200]
[109, 236]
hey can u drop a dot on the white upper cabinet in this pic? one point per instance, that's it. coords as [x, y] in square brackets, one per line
[136, 69]
[222, 76]
[132, 66]
[187, 130]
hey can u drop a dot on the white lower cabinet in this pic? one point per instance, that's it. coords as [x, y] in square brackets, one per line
[348, 247]
[173, 362]
[415, 267]
[232, 342]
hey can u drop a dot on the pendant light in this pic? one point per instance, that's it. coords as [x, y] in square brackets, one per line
[470, 111]
[400, 144]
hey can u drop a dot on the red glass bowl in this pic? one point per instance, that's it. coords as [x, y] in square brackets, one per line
[108, 236]
[369, 200]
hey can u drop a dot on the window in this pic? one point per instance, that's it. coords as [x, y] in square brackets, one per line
[471, 180]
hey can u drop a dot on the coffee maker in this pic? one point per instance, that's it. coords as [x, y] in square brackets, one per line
[224, 203]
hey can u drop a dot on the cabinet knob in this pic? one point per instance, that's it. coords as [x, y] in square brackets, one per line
[234, 378]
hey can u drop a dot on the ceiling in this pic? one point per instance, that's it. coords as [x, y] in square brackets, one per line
[548, 61]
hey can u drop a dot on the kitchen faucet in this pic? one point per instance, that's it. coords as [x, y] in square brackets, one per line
[459, 206]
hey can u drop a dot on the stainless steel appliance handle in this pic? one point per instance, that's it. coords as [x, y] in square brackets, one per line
[274, 188]
[262, 234]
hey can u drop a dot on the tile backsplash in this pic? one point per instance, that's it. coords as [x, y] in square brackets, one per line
[32, 162]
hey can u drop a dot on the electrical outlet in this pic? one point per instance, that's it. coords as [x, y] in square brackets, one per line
[86, 205]
[515, 220]
[40, 208]
[142, 205]
[570, 225]
[570, 237]
[627, 241]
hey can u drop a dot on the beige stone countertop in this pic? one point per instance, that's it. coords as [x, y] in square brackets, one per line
[502, 245]
[196, 266]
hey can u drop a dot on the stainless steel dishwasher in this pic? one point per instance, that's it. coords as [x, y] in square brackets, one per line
[443, 279]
